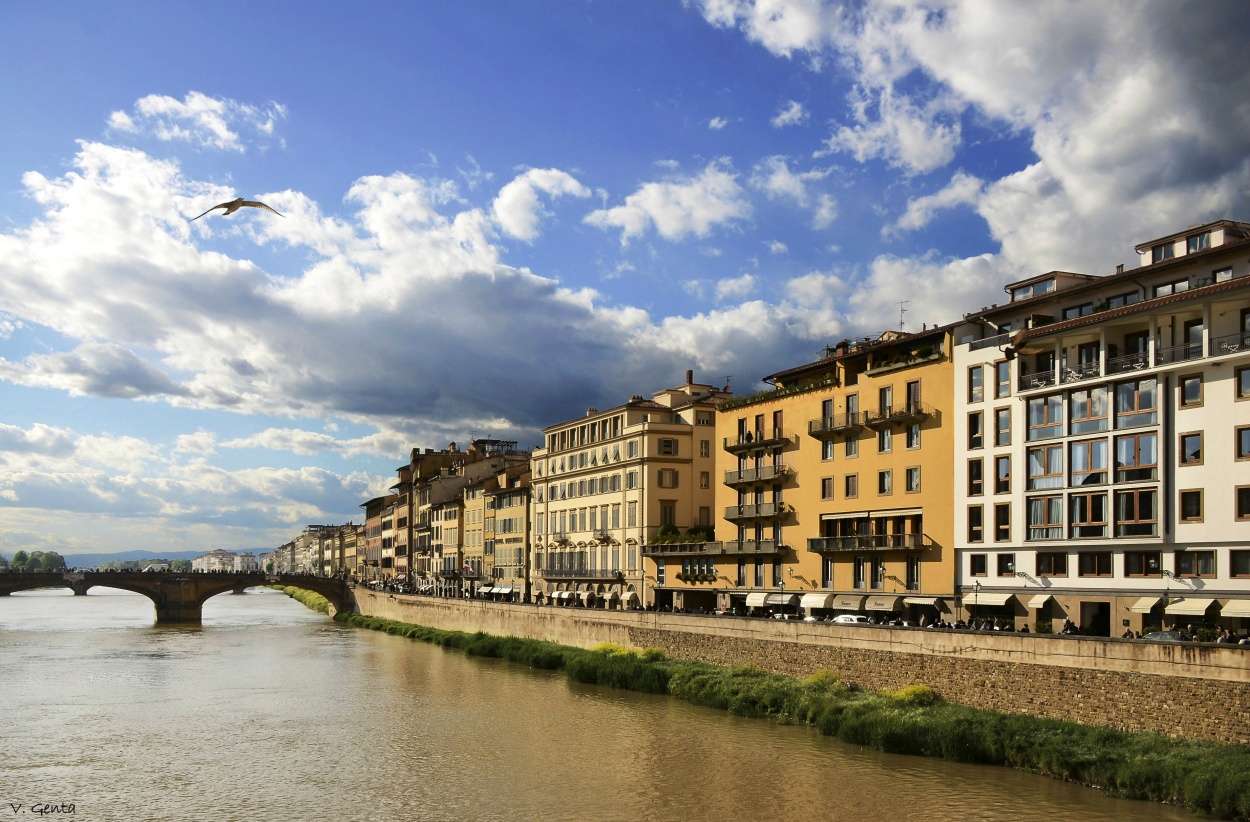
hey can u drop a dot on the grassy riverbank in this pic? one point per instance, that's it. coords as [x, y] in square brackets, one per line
[309, 599]
[1209, 779]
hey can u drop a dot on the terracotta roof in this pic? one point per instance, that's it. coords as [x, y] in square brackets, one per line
[863, 350]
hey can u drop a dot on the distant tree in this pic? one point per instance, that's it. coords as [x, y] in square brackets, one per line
[180, 565]
[269, 567]
[49, 561]
[19, 561]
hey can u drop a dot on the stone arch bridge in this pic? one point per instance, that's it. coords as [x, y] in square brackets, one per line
[179, 597]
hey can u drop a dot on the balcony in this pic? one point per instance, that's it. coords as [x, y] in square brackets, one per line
[898, 414]
[764, 473]
[763, 510]
[1229, 344]
[1042, 379]
[580, 573]
[1083, 371]
[1128, 363]
[870, 542]
[990, 342]
[446, 574]
[1178, 353]
[826, 427]
[754, 441]
[752, 546]
[687, 549]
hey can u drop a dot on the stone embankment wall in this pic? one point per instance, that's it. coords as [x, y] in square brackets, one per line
[1188, 691]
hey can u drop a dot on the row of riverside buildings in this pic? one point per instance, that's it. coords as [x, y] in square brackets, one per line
[1080, 452]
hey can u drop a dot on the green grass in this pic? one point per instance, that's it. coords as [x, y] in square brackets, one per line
[1206, 778]
[309, 599]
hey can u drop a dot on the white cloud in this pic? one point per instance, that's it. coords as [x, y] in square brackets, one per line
[781, 26]
[735, 288]
[717, 123]
[963, 189]
[678, 208]
[198, 119]
[777, 247]
[775, 178]
[792, 115]
[516, 208]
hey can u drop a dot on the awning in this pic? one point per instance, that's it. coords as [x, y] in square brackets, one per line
[1191, 606]
[503, 589]
[629, 597]
[562, 595]
[1145, 605]
[987, 598]
[782, 599]
[486, 590]
[1038, 601]
[610, 595]
[1236, 608]
[848, 602]
[932, 602]
[756, 599]
[810, 601]
[883, 603]
[587, 597]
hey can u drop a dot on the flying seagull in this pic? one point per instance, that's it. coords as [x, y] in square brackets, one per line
[235, 205]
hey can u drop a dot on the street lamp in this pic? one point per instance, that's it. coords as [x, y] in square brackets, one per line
[976, 596]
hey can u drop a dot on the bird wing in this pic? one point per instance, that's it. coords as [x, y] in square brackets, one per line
[259, 204]
[214, 208]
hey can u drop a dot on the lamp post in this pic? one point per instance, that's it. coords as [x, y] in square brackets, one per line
[976, 596]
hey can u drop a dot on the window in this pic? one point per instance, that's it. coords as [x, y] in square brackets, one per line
[1141, 563]
[826, 488]
[1198, 242]
[826, 449]
[1045, 417]
[1045, 467]
[1195, 563]
[976, 565]
[1191, 391]
[1087, 410]
[659, 572]
[851, 483]
[976, 480]
[667, 447]
[1241, 383]
[631, 514]
[1002, 379]
[1243, 502]
[1190, 452]
[631, 449]
[913, 435]
[1121, 300]
[913, 480]
[852, 446]
[1239, 564]
[1002, 522]
[631, 479]
[1006, 565]
[1052, 564]
[705, 479]
[976, 524]
[668, 512]
[759, 575]
[1074, 311]
[705, 448]
[884, 441]
[1242, 438]
[1002, 426]
[1223, 275]
[1137, 513]
[975, 430]
[885, 482]
[1045, 518]
[1191, 505]
[1002, 475]
[1087, 515]
[1136, 403]
[1161, 252]
[1136, 458]
[1094, 564]
[976, 383]
[1088, 462]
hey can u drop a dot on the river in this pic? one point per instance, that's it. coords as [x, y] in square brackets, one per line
[269, 711]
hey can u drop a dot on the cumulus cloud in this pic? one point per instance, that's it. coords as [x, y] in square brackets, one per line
[963, 189]
[781, 26]
[517, 209]
[717, 123]
[778, 181]
[792, 115]
[680, 207]
[208, 122]
[735, 287]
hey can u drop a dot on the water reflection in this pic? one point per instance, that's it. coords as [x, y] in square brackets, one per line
[269, 711]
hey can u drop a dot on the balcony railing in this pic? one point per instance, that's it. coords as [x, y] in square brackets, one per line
[989, 342]
[1229, 344]
[753, 440]
[1041, 379]
[1083, 371]
[763, 510]
[662, 549]
[899, 414]
[870, 542]
[1129, 362]
[761, 474]
[838, 423]
[1178, 353]
[580, 573]
[752, 546]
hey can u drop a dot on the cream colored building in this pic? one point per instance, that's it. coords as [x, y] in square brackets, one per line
[605, 484]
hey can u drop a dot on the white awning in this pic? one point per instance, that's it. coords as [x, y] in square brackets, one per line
[930, 601]
[782, 599]
[1190, 606]
[562, 595]
[987, 598]
[883, 603]
[629, 597]
[1038, 601]
[756, 599]
[1236, 608]
[1144, 605]
[609, 595]
[503, 589]
[587, 597]
[848, 602]
[811, 601]
[486, 590]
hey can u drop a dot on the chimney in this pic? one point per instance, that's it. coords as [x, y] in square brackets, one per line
[689, 376]
[590, 412]
[1119, 269]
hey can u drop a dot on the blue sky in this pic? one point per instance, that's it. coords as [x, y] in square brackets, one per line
[500, 214]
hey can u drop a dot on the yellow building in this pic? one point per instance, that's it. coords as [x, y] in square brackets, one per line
[835, 487]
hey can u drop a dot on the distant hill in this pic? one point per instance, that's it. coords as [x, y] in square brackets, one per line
[92, 560]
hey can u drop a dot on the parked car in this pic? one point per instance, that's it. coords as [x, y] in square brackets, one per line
[1165, 636]
[851, 619]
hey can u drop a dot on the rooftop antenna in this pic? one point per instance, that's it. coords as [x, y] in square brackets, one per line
[728, 377]
[901, 312]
